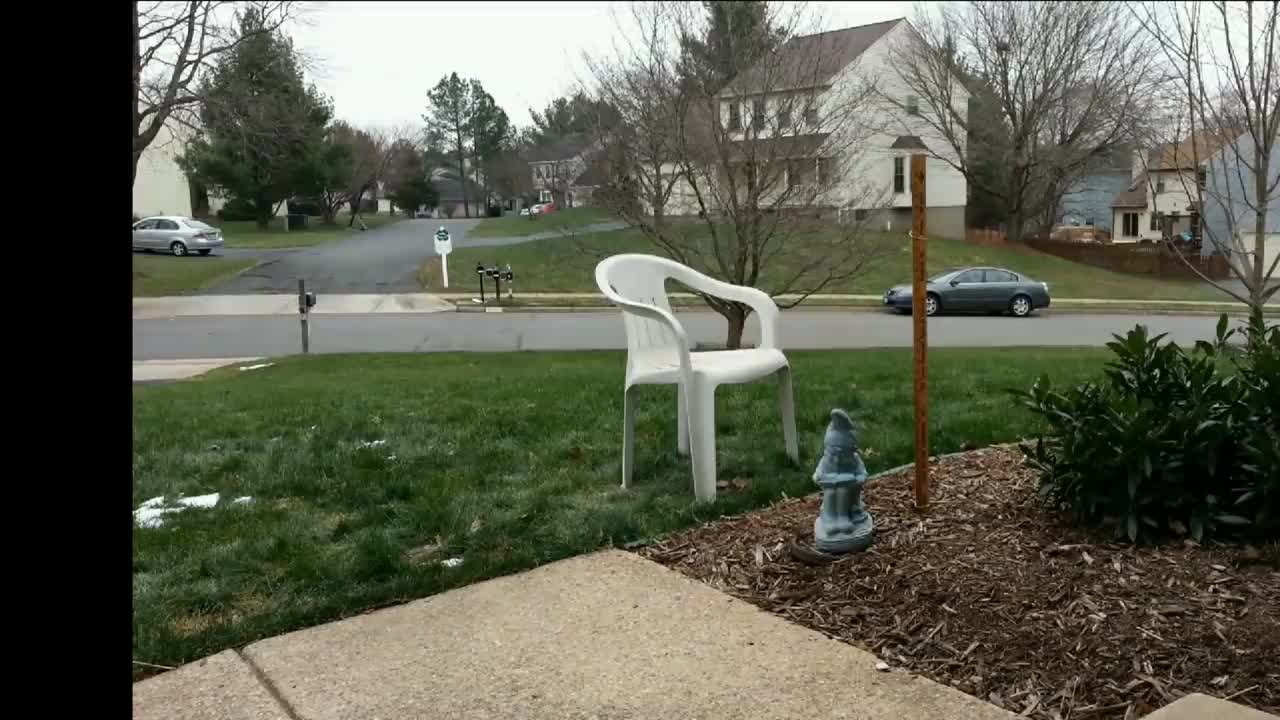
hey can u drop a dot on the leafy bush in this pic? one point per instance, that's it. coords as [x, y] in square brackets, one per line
[237, 209]
[1170, 442]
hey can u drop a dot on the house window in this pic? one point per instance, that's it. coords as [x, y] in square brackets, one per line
[1202, 178]
[799, 172]
[899, 179]
[913, 105]
[860, 214]
[1131, 225]
[1155, 221]
[735, 116]
[811, 113]
[826, 171]
[1088, 221]
[1159, 186]
[757, 113]
[544, 196]
[784, 115]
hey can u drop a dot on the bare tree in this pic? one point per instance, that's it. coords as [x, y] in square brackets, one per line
[173, 43]
[1066, 80]
[755, 182]
[1223, 66]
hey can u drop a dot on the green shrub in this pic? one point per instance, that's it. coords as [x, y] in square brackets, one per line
[1169, 442]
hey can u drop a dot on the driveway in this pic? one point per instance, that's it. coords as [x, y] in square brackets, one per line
[383, 260]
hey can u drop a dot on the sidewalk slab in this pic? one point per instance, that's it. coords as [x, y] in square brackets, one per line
[219, 687]
[285, 304]
[1199, 707]
[607, 635]
[152, 370]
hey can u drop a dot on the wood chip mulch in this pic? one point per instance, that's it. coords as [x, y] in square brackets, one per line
[989, 593]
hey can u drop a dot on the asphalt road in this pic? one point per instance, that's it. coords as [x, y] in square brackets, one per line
[245, 336]
[382, 260]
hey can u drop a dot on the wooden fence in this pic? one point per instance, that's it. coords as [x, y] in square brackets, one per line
[1136, 258]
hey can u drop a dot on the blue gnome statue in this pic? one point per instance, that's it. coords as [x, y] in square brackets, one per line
[843, 525]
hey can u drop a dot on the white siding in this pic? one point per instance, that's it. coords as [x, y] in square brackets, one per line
[160, 187]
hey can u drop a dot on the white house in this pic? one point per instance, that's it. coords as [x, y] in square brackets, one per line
[160, 187]
[854, 147]
[1162, 198]
[567, 171]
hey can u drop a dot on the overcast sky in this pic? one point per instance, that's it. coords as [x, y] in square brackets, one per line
[377, 60]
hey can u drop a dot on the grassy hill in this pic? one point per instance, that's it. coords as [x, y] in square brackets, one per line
[565, 264]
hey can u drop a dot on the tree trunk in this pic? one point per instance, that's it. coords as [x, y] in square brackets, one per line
[736, 316]
[355, 207]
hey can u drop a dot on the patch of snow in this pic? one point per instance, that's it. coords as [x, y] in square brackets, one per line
[150, 514]
[204, 501]
[451, 562]
[391, 457]
[256, 367]
[371, 443]
[243, 500]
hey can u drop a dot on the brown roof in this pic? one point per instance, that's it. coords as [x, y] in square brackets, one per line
[1135, 196]
[566, 148]
[1184, 154]
[908, 142]
[809, 60]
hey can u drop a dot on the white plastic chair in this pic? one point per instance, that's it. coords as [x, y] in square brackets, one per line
[658, 354]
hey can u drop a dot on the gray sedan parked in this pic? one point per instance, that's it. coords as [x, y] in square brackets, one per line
[975, 289]
[175, 234]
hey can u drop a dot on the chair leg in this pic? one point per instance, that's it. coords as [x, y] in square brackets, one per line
[702, 436]
[787, 403]
[682, 421]
[628, 434]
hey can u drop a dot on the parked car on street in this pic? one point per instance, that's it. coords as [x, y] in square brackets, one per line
[975, 289]
[176, 234]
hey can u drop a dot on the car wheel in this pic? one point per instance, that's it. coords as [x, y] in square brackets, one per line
[178, 249]
[203, 252]
[1020, 306]
[931, 304]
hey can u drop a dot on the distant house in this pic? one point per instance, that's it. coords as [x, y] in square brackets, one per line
[1229, 196]
[161, 187]
[781, 106]
[1161, 200]
[386, 206]
[567, 171]
[451, 200]
[1088, 202]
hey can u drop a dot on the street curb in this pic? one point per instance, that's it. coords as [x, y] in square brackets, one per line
[1074, 310]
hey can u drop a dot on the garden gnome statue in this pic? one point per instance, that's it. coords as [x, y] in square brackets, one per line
[843, 524]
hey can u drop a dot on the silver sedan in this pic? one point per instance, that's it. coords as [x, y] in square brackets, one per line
[175, 234]
[975, 289]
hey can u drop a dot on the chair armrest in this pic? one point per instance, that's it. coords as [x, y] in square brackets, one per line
[758, 300]
[652, 312]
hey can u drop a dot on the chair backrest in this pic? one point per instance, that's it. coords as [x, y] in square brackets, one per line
[641, 279]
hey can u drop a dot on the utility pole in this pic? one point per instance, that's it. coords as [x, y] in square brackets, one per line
[919, 332]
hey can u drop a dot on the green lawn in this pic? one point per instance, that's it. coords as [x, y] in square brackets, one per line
[566, 265]
[246, 234]
[507, 461]
[159, 275]
[570, 219]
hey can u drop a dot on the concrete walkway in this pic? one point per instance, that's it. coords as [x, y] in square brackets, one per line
[286, 304]
[161, 370]
[608, 635]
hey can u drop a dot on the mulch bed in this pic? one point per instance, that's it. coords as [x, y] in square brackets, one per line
[989, 593]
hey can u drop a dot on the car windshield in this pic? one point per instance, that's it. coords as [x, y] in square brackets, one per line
[196, 224]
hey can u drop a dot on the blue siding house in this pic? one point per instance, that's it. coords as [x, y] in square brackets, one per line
[1229, 193]
[1088, 202]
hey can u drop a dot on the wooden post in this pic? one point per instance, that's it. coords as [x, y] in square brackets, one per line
[920, 332]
